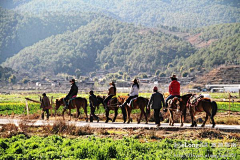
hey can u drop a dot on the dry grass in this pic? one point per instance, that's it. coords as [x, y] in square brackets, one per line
[230, 120]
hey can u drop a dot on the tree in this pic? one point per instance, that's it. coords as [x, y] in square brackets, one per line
[157, 72]
[185, 74]
[25, 80]
[12, 79]
[78, 73]
[162, 75]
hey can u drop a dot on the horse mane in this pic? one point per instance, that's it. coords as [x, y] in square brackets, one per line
[60, 98]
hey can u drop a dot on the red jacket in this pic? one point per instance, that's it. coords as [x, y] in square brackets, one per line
[174, 88]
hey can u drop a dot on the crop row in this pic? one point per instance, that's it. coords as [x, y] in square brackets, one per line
[56, 147]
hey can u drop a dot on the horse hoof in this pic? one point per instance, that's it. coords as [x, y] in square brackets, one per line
[138, 122]
[192, 125]
[181, 125]
[128, 122]
[146, 123]
[106, 121]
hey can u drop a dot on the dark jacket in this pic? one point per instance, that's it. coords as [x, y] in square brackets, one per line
[73, 91]
[156, 101]
[45, 103]
[93, 100]
[112, 91]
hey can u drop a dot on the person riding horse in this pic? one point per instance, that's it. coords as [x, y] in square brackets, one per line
[93, 103]
[72, 93]
[111, 93]
[133, 93]
[174, 89]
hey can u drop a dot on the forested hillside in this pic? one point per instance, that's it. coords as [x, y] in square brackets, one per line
[42, 37]
[103, 43]
[179, 13]
[18, 31]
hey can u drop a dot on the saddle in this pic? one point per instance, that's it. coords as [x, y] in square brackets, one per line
[130, 104]
[112, 101]
[194, 100]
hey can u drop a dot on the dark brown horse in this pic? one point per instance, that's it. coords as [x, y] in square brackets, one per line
[75, 103]
[203, 105]
[112, 105]
[178, 104]
[138, 103]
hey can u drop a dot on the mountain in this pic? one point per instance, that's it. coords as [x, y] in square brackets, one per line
[103, 43]
[179, 13]
[222, 48]
[42, 37]
[18, 31]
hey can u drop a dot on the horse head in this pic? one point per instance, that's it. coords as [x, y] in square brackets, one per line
[59, 102]
[175, 103]
[100, 99]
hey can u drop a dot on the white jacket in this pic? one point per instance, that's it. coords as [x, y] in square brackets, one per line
[134, 90]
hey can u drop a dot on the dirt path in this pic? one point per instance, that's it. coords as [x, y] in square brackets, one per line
[115, 125]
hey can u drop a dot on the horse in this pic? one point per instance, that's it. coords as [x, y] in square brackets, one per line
[74, 103]
[138, 103]
[178, 104]
[112, 105]
[203, 105]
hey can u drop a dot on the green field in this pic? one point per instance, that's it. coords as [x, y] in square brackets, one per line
[15, 104]
[57, 147]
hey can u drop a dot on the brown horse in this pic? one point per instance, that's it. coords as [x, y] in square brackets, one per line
[138, 103]
[203, 105]
[74, 103]
[178, 104]
[112, 105]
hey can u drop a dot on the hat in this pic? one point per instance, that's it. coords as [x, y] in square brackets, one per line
[72, 80]
[155, 88]
[134, 80]
[44, 94]
[91, 92]
[173, 76]
[112, 83]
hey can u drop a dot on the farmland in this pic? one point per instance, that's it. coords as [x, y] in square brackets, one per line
[57, 147]
[65, 141]
[15, 103]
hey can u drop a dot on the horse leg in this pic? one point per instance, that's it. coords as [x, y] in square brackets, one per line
[145, 114]
[193, 122]
[63, 113]
[206, 118]
[69, 114]
[107, 115]
[116, 113]
[213, 122]
[77, 114]
[182, 117]
[129, 113]
[172, 119]
[139, 120]
[85, 110]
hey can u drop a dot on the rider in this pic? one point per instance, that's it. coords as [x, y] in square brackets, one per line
[72, 93]
[93, 103]
[111, 92]
[174, 88]
[133, 93]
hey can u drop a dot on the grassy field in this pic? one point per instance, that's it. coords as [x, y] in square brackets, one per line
[57, 147]
[15, 103]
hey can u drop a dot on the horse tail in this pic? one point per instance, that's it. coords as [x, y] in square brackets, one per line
[85, 104]
[214, 108]
[147, 109]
